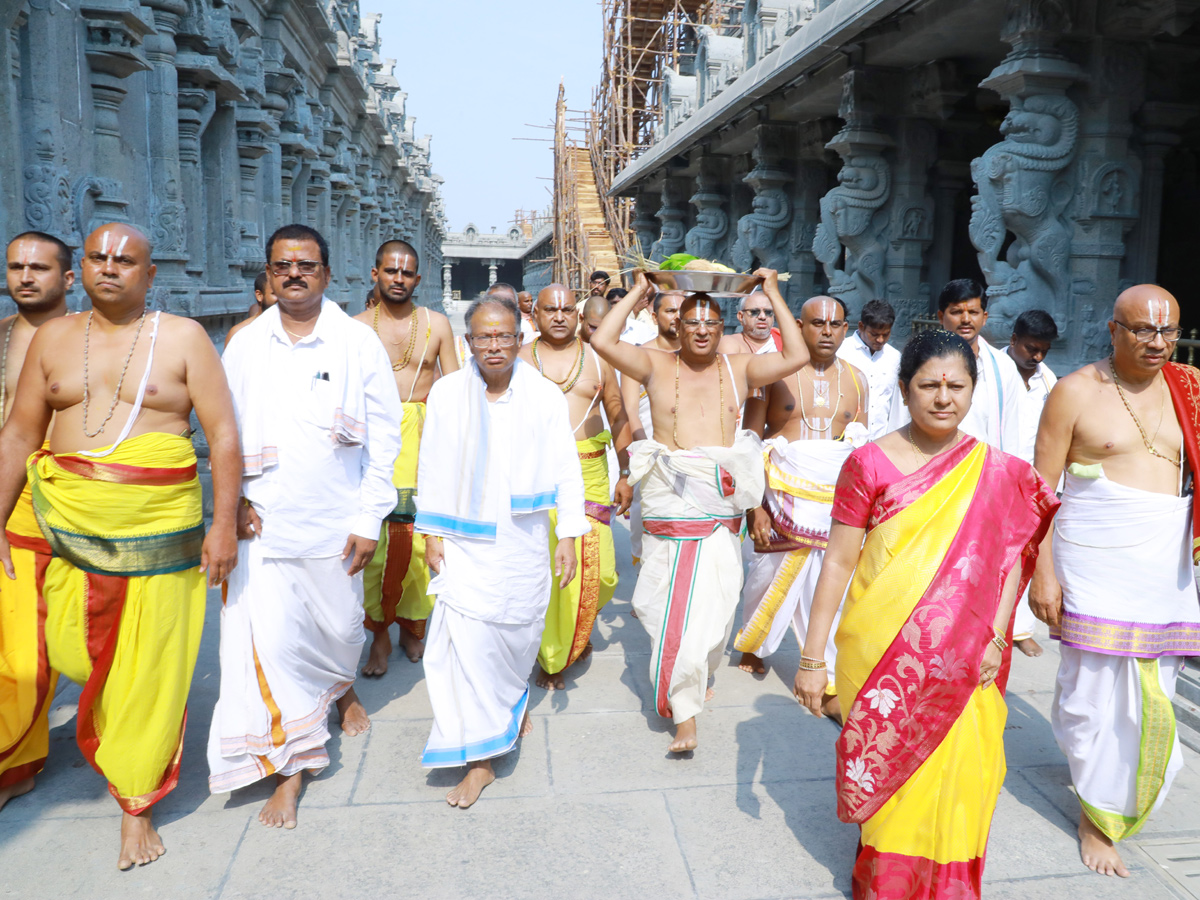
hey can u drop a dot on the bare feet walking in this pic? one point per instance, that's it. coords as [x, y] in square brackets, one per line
[377, 659]
[413, 646]
[467, 791]
[280, 810]
[24, 786]
[1029, 647]
[685, 737]
[352, 715]
[1097, 851]
[140, 843]
[752, 664]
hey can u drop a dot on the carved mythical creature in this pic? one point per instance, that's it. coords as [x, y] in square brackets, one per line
[670, 239]
[763, 232]
[1023, 188]
[712, 224]
[853, 219]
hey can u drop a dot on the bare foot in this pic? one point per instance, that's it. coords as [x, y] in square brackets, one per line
[587, 651]
[140, 843]
[24, 786]
[413, 646]
[550, 681]
[832, 707]
[633, 612]
[467, 791]
[709, 694]
[752, 664]
[1097, 851]
[685, 737]
[526, 725]
[352, 715]
[1029, 647]
[377, 659]
[280, 810]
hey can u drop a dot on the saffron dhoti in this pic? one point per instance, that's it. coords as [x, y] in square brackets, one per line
[396, 580]
[124, 601]
[573, 609]
[26, 679]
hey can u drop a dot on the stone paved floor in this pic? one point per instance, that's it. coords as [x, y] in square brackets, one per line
[589, 806]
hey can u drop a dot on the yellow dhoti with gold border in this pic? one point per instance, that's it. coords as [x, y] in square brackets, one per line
[26, 679]
[124, 601]
[573, 609]
[397, 577]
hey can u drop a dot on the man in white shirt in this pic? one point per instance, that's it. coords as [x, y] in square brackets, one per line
[319, 422]
[995, 413]
[1033, 333]
[496, 456]
[868, 350]
[640, 326]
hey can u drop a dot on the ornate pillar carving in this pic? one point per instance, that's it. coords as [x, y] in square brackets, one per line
[851, 239]
[491, 267]
[1025, 182]
[168, 223]
[706, 237]
[195, 111]
[644, 225]
[762, 234]
[447, 294]
[670, 215]
[812, 173]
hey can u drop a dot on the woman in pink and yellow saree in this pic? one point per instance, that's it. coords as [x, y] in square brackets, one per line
[951, 530]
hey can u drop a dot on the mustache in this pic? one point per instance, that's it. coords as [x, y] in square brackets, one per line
[291, 282]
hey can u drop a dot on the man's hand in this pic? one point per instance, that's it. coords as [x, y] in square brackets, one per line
[1045, 598]
[249, 523]
[759, 524]
[359, 551]
[218, 555]
[565, 563]
[6, 557]
[434, 553]
[623, 495]
[770, 280]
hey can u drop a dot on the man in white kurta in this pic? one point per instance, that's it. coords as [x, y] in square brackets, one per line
[497, 455]
[869, 351]
[1033, 332]
[319, 421]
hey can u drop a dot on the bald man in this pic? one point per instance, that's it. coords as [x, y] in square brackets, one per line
[590, 386]
[757, 320]
[594, 310]
[420, 344]
[118, 502]
[809, 419]
[1115, 577]
[525, 304]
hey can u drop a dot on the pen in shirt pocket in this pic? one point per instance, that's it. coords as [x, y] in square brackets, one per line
[318, 376]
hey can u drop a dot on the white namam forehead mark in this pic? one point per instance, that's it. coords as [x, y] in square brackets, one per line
[1159, 310]
[399, 260]
[705, 305]
[552, 294]
[24, 251]
[826, 309]
[108, 239]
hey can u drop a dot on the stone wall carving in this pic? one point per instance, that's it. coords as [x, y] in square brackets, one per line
[712, 222]
[670, 215]
[644, 225]
[718, 62]
[762, 234]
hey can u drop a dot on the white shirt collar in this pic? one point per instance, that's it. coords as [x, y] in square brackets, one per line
[320, 330]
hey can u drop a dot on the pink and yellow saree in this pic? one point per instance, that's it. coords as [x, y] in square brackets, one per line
[921, 757]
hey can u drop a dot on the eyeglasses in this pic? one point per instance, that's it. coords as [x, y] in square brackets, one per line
[482, 341]
[697, 324]
[305, 266]
[1170, 333]
[756, 313]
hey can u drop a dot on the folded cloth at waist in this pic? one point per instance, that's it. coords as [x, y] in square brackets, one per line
[1123, 557]
[137, 512]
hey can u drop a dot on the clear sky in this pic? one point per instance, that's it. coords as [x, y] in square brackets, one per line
[476, 71]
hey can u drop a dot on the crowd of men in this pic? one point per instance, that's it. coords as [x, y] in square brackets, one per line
[364, 468]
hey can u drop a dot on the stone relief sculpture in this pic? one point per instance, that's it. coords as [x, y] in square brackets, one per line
[48, 193]
[645, 226]
[712, 222]
[1024, 186]
[851, 238]
[763, 232]
[671, 236]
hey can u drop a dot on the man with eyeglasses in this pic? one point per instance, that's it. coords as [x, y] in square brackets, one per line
[812, 420]
[123, 549]
[590, 386]
[1115, 579]
[420, 344]
[758, 333]
[869, 350]
[698, 477]
[496, 459]
[319, 418]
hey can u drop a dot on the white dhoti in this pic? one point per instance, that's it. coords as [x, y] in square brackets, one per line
[1130, 613]
[477, 674]
[291, 636]
[801, 477]
[691, 577]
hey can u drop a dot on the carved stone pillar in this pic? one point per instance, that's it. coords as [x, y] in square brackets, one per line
[644, 225]
[910, 231]
[447, 294]
[706, 238]
[670, 216]
[851, 239]
[762, 234]
[253, 128]
[195, 111]
[491, 267]
[1026, 181]
[115, 30]
[1161, 124]
[951, 177]
[812, 174]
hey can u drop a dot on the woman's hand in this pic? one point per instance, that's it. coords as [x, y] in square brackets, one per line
[989, 668]
[809, 689]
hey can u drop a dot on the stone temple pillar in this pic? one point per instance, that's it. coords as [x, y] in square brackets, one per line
[446, 293]
[491, 264]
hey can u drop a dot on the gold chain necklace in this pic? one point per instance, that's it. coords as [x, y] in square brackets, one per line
[720, 409]
[412, 338]
[4, 371]
[87, 338]
[920, 452]
[577, 366]
[832, 413]
[1138, 422]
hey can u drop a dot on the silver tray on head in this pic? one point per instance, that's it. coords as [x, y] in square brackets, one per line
[715, 284]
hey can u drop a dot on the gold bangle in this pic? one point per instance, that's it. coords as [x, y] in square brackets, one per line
[812, 665]
[1000, 643]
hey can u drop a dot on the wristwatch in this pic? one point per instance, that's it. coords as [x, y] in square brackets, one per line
[624, 473]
